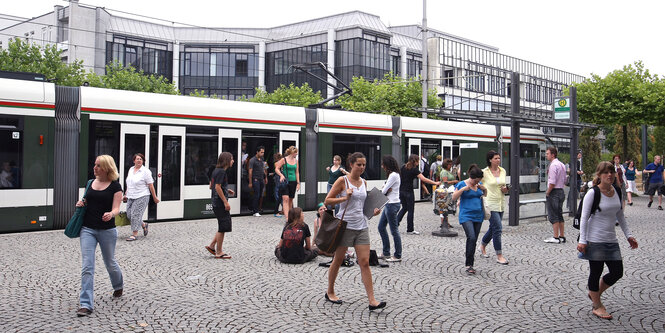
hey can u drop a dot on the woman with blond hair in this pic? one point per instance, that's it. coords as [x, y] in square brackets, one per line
[102, 202]
[288, 169]
[598, 241]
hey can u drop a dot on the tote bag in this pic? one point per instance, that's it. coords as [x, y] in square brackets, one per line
[331, 231]
[73, 228]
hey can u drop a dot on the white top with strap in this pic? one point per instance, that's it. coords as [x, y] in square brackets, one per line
[137, 183]
[352, 209]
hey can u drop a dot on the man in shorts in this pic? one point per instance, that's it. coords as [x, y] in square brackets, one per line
[655, 181]
[554, 196]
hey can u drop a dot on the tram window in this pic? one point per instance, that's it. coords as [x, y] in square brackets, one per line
[11, 135]
[529, 158]
[343, 145]
[200, 155]
[104, 139]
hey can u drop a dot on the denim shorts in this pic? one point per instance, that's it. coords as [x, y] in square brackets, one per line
[601, 252]
[554, 204]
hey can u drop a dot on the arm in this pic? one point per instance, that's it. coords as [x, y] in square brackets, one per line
[389, 184]
[117, 198]
[584, 219]
[337, 188]
[297, 176]
[278, 169]
[154, 194]
[428, 181]
[550, 187]
[308, 243]
[250, 170]
[458, 192]
[218, 189]
[344, 171]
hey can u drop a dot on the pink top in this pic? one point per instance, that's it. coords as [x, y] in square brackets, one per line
[556, 174]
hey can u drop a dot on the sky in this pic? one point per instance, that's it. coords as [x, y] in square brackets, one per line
[577, 36]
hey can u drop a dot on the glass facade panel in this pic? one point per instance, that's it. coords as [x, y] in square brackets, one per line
[219, 71]
[149, 57]
[278, 63]
[362, 57]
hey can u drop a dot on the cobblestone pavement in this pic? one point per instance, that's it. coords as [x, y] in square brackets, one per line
[173, 285]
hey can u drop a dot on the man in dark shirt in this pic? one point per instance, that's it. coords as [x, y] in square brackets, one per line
[258, 179]
[656, 172]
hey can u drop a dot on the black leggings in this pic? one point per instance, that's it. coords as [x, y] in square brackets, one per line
[615, 268]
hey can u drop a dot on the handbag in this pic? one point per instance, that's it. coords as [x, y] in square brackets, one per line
[73, 228]
[279, 183]
[486, 210]
[331, 231]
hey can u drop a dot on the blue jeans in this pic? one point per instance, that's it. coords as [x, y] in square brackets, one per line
[408, 207]
[389, 217]
[471, 229]
[278, 197]
[89, 239]
[494, 232]
[257, 187]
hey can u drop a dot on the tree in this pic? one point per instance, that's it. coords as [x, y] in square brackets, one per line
[127, 78]
[659, 141]
[590, 146]
[292, 95]
[628, 96]
[20, 56]
[390, 95]
[634, 140]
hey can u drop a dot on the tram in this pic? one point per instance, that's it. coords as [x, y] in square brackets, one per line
[50, 136]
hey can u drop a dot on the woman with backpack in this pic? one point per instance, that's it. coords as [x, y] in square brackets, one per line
[294, 245]
[598, 242]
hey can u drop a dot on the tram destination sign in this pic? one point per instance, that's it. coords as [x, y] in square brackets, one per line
[562, 108]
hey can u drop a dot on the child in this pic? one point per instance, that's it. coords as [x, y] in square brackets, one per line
[294, 246]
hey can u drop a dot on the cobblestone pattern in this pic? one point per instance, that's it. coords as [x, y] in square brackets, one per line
[173, 285]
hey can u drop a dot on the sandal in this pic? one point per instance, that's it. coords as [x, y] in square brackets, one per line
[603, 315]
[145, 229]
[223, 256]
[211, 250]
[470, 270]
[131, 238]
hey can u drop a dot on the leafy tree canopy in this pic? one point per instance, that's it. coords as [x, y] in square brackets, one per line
[128, 78]
[390, 95]
[291, 95]
[631, 95]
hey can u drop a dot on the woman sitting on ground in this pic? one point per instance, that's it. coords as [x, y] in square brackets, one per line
[294, 246]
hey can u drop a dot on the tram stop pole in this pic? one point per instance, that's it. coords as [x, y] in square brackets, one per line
[574, 190]
[514, 200]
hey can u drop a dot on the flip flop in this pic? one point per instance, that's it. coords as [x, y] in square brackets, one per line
[131, 238]
[211, 250]
[223, 256]
[145, 229]
[605, 315]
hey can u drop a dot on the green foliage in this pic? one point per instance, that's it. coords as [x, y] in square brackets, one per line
[202, 93]
[610, 138]
[634, 144]
[292, 95]
[390, 95]
[563, 157]
[20, 56]
[128, 78]
[628, 96]
[590, 146]
[659, 141]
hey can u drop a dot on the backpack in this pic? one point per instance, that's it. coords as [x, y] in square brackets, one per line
[595, 206]
[425, 168]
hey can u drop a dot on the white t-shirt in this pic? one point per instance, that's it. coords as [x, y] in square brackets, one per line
[137, 182]
[392, 183]
[600, 227]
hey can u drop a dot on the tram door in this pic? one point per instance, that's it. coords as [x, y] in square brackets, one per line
[446, 149]
[170, 172]
[286, 140]
[133, 139]
[414, 148]
[230, 141]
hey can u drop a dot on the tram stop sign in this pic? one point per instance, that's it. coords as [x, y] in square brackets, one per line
[561, 108]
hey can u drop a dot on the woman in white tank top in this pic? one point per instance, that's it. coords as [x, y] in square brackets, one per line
[350, 192]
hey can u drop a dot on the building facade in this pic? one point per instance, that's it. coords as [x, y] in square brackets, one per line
[233, 62]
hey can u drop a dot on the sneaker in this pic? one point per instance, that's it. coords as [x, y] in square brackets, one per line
[562, 239]
[117, 293]
[257, 215]
[383, 256]
[552, 240]
[83, 312]
[660, 207]
[393, 259]
[413, 232]
[649, 204]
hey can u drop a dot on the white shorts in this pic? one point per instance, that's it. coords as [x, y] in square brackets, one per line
[631, 186]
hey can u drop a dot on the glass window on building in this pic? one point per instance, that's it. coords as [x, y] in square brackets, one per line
[200, 155]
[370, 146]
[11, 152]
[149, 57]
[368, 57]
[278, 65]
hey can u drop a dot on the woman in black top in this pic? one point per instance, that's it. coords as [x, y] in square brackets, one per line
[220, 204]
[103, 204]
[294, 246]
[408, 173]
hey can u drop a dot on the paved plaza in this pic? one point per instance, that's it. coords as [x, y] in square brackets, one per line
[172, 284]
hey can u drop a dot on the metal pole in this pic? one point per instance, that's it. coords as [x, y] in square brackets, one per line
[574, 186]
[514, 203]
[645, 158]
[425, 66]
